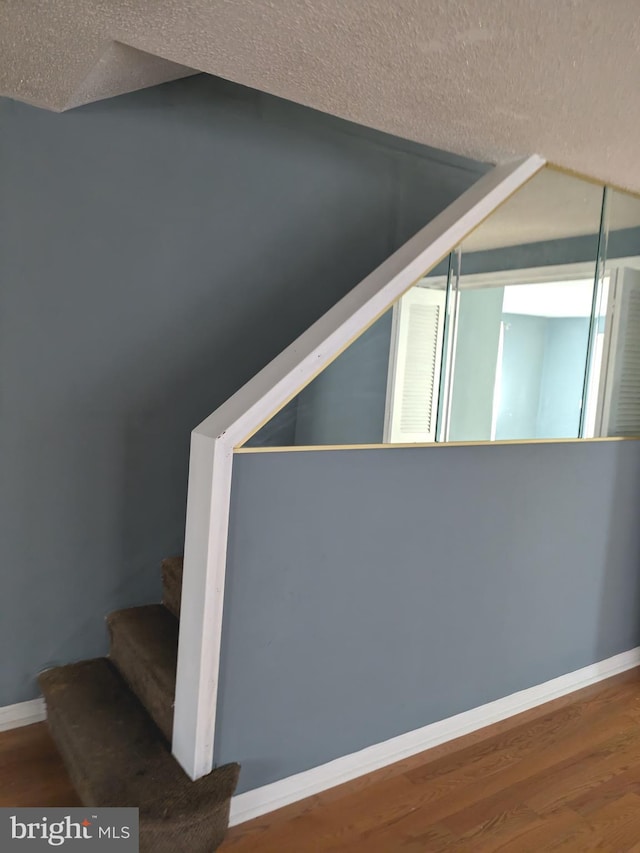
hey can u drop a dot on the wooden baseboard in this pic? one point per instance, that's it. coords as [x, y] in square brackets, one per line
[275, 795]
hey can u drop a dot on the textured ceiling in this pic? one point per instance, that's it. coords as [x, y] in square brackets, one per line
[553, 205]
[490, 79]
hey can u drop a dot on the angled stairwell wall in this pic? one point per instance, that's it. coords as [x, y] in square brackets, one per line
[156, 251]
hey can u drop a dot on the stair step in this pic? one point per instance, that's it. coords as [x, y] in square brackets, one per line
[116, 757]
[172, 584]
[144, 648]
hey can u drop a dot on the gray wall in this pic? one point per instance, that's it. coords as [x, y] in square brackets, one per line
[373, 592]
[156, 250]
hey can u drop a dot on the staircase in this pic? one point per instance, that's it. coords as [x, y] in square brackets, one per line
[112, 719]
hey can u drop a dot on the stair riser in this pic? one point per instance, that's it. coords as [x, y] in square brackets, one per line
[172, 584]
[144, 644]
[171, 601]
[161, 714]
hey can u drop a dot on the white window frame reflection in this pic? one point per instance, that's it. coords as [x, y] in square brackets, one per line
[596, 396]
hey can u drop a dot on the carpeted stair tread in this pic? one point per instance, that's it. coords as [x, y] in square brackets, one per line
[172, 584]
[116, 757]
[144, 648]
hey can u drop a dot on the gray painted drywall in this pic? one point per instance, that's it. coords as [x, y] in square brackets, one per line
[373, 592]
[156, 251]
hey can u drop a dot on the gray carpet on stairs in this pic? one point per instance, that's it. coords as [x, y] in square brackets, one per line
[144, 649]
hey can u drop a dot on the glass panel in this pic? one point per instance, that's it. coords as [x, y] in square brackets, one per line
[614, 386]
[524, 306]
[383, 387]
[529, 330]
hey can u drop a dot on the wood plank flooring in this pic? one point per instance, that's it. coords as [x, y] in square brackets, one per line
[31, 770]
[563, 777]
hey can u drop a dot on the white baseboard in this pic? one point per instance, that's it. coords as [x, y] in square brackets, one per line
[22, 714]
[285, 791]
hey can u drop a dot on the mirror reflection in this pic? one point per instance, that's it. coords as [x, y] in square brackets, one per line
[616, 345]
[529, 330]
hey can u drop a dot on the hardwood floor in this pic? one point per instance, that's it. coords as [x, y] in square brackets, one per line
[563, 777]
[31, 771]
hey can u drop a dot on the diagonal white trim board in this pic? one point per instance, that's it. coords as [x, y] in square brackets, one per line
[278, 794]
[22, 714]
[214, 440]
